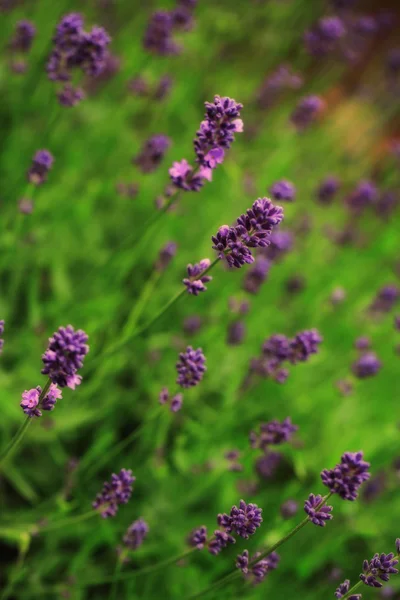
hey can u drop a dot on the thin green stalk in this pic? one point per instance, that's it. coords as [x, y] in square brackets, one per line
[353, 589]
[66, 522]
[237, 573]
[114, 586]
[15, 574]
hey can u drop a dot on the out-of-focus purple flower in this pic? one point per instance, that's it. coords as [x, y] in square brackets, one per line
[328, 189]
[139, 86]
[196, 279]
[198, 537]
[42, 163]
[374, 487]
[220, 541]
[166, 255]
[257, 274]
[163, 87]
[393, 61]
[273, 433]
[362, 343]
[396, 323]
[267, 464]
[387, 204]
[346, 478]
[191, 367]
[289, 509]
[185, 178]
[233, 456]
[136, 534]
[380, 566]
[323, 38]
[152, 153]
[256, 570]
[317, 511]
[283, 190]
[280, 80]
[1, 333]
[303, 345]
[364, 195]
[128, 190]
[70, 96]
[385, 299]
[192, 324]
[252, 230]
[366, 365]
[281, 242]
[236, 333]
[338, 296]
[64, 356]
[365, 25]
[158, 36]
[342, 590]
[23, 37]
[182, 18]
[242, 520]
[115, 492]
[238, 307]
[295, 284]
[307, 111]
[175, 402]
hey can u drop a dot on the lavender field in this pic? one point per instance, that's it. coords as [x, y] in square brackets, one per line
[199, 299]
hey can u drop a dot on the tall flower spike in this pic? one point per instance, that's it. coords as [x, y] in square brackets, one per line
[243, 520]
[195, 280]
[273, 433]
[346, 478]
[317, 512]
[191, 367]
[114, 492]
[64, 356]
[136, 534]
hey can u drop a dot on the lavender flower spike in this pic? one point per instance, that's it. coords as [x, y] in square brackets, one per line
[380, 566]
[31, 402]
[243, 520]
[116, 492]
[260, 569]
[135, 534]
[41, 165]
[283, 190]
[198, 537]
[343, 589]
[191, 367]
[317, 512]
[196, 280]
[346, 478]
[367, 365]
[64, 356]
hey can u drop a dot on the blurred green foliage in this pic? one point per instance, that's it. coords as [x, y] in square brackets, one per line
[64, 264]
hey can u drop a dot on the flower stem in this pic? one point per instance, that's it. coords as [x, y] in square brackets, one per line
[12, 446]
[64, 523]
[237, 573]
[353, 589]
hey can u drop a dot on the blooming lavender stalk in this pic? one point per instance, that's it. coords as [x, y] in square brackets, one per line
[196, 278]
[273, 433]
[136, 534]
[42, 163]
[116, 492]
[323, 38]
[346, 478]
[317, 511]
[366, 365]
[191, 367]
[34, 400]
[260, 568]
[198, 537]
[242, 521]
[307, 111]
[283, 190]
[64, 356]
[328, 189]
[152, 153]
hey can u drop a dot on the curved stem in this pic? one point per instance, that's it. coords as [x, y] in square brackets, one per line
[237, 573]
[353, 589]
[15, 441]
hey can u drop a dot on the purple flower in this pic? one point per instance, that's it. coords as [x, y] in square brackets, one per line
[280, 243]
[152, 153]
[328, 189]
[273, 433]
[220, 541]
[306, 111]
[362, 343]
[277, 347]
[236, 333]
[192, 324]
[283, 190]
[279, 81]
[32, 403]
[24, 35]
[1, 333]
[163, 87]
[343, 589]
[323, 37]
[166, 255]
[70, 96]
[346, 478]
[303, 345]
[184, 178]
[41, 165]
[191, 367]
[380, 566]
[386, 298]
[257, 569]
[64, 356]
[251, 230]
[364, 195]
[115, 492]
[317, 512]
[138, 86]
[289, 509]
[267, 464]
[136, 534]
[175, 402]
[366, 365]
[198, 537]
[196, 277]
[257, 274]
[243, 520]
[158, 36]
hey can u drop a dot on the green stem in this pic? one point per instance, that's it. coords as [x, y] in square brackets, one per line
[237, 573]
[114, 586]
[71, 521]
[353, 589]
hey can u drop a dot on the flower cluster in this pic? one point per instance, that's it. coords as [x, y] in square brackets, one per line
[191, 367]
[175, 401]
[75, 49]
[136, 534]
[198, 537]
[165, 255]
[34, 401]
[158, 38]
[280, 80]
[380, 566]
[342, 590]
[251, 230]
[273, 433]
[114, 492]
[323, 38]
[278, 348]
[362, 197]
[42, 163]
[1, 333]
[346, 478]
[257, 570]
[367, 365]
[196, 277]
[152, 153]
[257, 274]
[20, 44]
[318, 512]
[64, 356]
[307, 111]
[283, 190]
[242, 521]
[385, 299]
[214, 137]
[327, 189]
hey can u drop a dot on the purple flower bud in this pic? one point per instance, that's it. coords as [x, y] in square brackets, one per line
[136, 534]
[183, 177]
[64, 356]
[257, 274]
[196, 279]
[328, 189]
[166, 255]
[283, 190]
[317, 511]
[70, 96]
[220, 541]
[236, 333]
[346, 478]
[24, 35]
[303, 345]
[243, 520]
[41, 165]
[367, 365]
[259, 569]
[273, 433]
[289, 509]
[152, 153]
[116, 492]
[1, 333]
[306, 111]
[198, 537]
[158, 36]
[267, 464]
[191, 367]
[30, 401]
